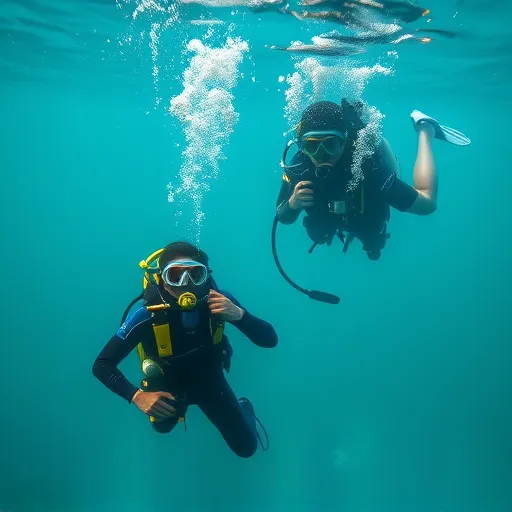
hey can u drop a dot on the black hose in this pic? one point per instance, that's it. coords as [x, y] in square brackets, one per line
[313, 294]
[132, 303]
[276, 259]
[265, 446]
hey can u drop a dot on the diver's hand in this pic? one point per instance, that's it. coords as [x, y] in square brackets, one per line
[154, 404]
[302, 196]
[223, 307]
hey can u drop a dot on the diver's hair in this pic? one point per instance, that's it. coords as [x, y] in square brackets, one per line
[320, 116]
[327, 115]
[183, 249]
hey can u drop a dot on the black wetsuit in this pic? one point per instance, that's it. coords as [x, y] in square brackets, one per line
[362, 213]
[198, 379]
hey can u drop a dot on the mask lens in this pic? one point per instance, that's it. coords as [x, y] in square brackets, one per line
[197, 274]
[332, 144]
[310, 145]
[176, 273]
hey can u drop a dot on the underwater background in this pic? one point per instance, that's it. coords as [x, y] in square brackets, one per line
[127, 126]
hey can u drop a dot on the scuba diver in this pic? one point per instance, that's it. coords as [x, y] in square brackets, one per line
[319, 180]
[178, 333]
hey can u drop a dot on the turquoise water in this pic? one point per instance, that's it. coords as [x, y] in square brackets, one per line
[398, 399]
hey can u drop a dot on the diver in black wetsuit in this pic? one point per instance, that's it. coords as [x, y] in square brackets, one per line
[319, 180]
[179, 335]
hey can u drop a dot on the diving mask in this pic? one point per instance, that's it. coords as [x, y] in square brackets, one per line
[332, 142]
[181, 272]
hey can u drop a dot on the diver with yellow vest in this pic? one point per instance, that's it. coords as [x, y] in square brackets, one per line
[179, 336]
[346, 178]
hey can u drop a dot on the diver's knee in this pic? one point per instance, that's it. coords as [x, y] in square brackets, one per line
[317, 231]
[247, 450]
[374, 255]
[164, 426]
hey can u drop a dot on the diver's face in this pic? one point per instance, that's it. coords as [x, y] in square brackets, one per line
[324, 148]
[185, 275]
[322, 157]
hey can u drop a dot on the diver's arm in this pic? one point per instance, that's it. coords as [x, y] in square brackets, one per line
[106, 371]
[425, 173]
[285, 214]
[120, 345]
[399, 194]
[387, 158]
[261, 333]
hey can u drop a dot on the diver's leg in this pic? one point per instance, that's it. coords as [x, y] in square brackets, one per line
[233, 418]
[320, 230]
[374, 240]
[163, 426]
[425, 172]
[371, 246]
